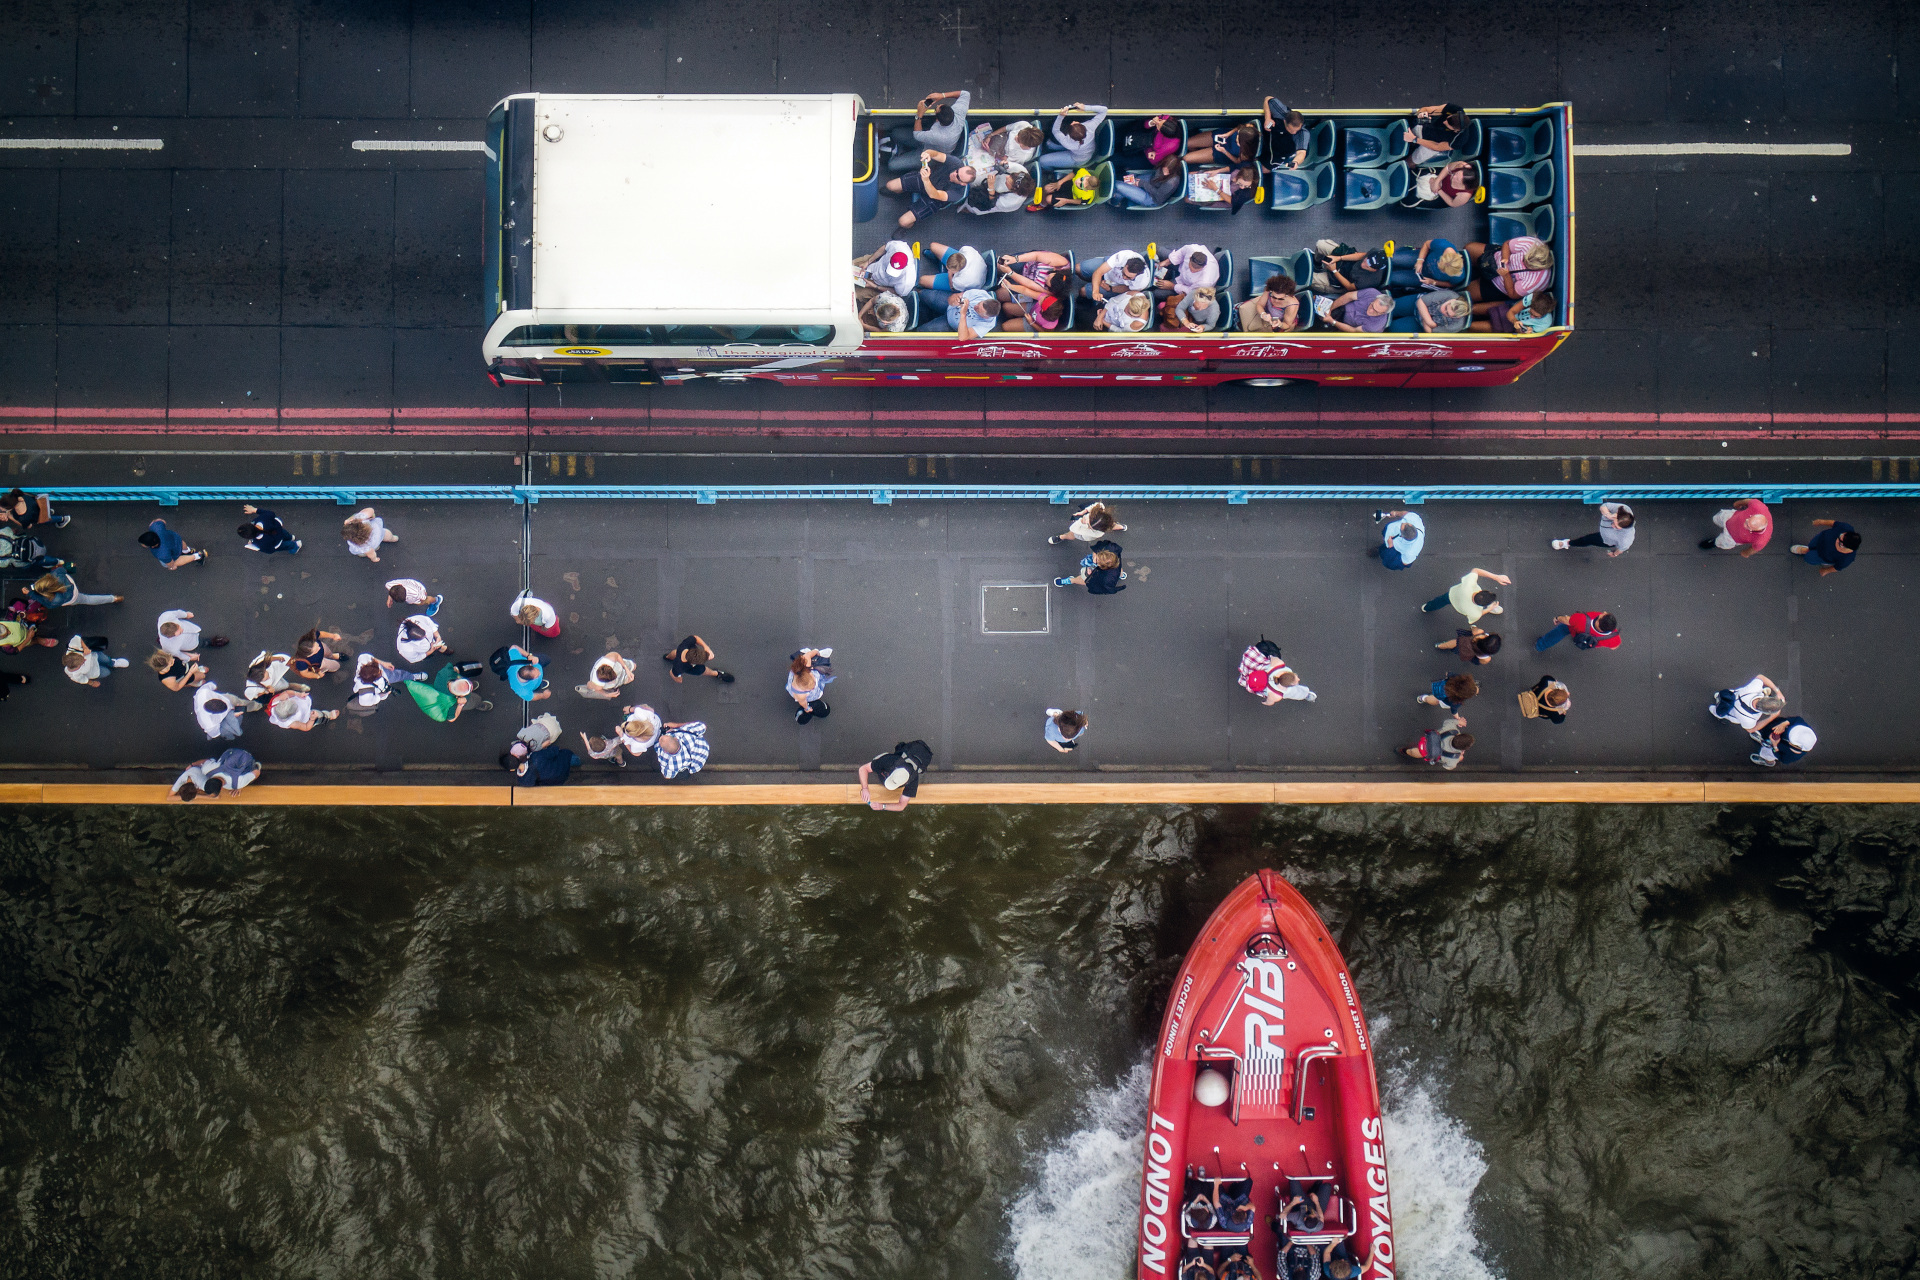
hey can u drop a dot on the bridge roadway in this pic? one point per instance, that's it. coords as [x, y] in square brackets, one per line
[897, 592]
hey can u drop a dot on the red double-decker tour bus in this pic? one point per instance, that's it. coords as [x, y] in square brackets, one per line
[619, 248]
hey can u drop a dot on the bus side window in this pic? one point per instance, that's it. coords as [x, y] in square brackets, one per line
[631, 374]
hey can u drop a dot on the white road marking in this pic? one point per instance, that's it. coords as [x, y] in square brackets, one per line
[1714, 149]
[378, 144]
[81, 144]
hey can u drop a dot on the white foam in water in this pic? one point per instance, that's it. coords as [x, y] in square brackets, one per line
[1078, 1221]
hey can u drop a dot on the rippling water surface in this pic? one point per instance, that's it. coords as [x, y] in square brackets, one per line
[1626, 1042]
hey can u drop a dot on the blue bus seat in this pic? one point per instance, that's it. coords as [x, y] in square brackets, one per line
[1373, 148]
[1372, 188]
[1513, 146]
[1508, 224]
[1467, 145]
[1517, 188]
[1291, 190]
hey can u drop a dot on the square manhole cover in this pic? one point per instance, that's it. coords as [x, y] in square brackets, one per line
[1015, 608]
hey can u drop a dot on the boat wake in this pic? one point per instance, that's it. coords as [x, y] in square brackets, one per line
[1078, 1218]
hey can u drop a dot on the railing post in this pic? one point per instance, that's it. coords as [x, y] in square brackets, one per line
[1236, 497]
[167, 499]
[1058, 497]
[1593, 497]
[883, 497]
[1414, 497]
[344, 497]
[705, 497]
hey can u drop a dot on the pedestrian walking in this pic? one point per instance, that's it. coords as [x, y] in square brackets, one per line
[1595, 629]
[1745, 527]
[1784, 740]
[1450, 691]
[682, 748]
[86, 660]
[809, 672]
[168, 547]
[293, 709]
[527, 675]
[8, 679]
[1756, 701]
[447, 695]
[896, 774]
[26, 511]
[1467, 596]
[262, 531]
[640, 730]
[1473, 646]
[235, 770]
[313, 656]
[532, 612]
[604, 749]
[177, 673]
[611, 673]
[409, 591]
[1089, 524]
[1402, 540]
[180, 634]
[268, 674]
[1100, 571]
[690, 658]
[1833, 548]
[1446, 746]
[542, 730]
[1063, 729]
[219, 713]
[374, 679]
[192, 781]
[547, 767]
[365, 533]
[1264, 673]
[57, 588]
[418, 639]
[1549, 699]
[1615, 533]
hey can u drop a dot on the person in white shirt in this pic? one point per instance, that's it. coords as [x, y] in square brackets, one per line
[83, 661]
[1074, 140]
[409, 591]
[1190, 267]
[1616, 531]
[191, 783]
[889, 267]
[640, 730]
[180, 634]
[610, 673]
[1091, 523]
[365, 532]
[374, 679]
[293, 709]
[1016, 143]
[532, 612]
[267, 675]
[961, 269]
[419, 639]
[1758, 700]
[883, 313]
[218, 713]
[1124, 271]
[1125, 313]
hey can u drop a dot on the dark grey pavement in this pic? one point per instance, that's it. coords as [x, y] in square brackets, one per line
[898, 593]
[258, 262]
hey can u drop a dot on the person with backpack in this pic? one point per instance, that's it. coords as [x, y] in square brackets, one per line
[1100, 571]
[1757, 701]
[897, 771]
[1784, 740]
[1445, 746]
[1595, 629]
[1266, 675]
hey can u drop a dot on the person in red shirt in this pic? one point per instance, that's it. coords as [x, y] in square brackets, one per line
[1592, 630]
[1744, 527]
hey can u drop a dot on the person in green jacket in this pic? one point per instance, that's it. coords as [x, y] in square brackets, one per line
[447, 695]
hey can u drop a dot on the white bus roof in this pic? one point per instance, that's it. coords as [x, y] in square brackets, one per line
[672, 206]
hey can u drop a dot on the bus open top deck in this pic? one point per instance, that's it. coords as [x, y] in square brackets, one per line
[620, 248]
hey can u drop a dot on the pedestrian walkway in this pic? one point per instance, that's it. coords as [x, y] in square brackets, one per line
[934, 638]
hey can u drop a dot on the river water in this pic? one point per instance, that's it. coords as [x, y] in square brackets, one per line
[1616, 1042]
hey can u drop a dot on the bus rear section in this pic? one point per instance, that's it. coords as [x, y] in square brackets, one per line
[1522, 179]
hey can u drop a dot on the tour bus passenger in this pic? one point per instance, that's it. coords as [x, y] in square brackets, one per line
[1125, 313]
[1034, 288]
[884, 312]
[1166, 141]
[1298, 138]
[1001, 188]
[1222, 184]
[942, 183]
[1451, 184]
[1435, 311]
[1152, 188]
[1017, 143]
[889, 267]
[1436, 264]
[1187, 268]
[1122, 272]
[962, 268]
[978, 316]
[1073, 139]
[943, 133]
[1435, 130]
[1274, 309]
[1511, 269]
[1073, 189]
[1194, 312]
[1361, 311]
[1532, 314]
[1230, 147]
[1340, 268]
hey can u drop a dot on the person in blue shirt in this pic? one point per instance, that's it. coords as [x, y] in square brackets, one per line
[1100, 571]
[547, 767]
[1405, 535]
[1833, 548]
[526, 675]
[168, 547]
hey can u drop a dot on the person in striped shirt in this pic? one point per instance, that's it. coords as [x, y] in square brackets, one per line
[682, 748]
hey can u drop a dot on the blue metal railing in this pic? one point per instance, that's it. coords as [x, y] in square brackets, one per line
[1058, 495]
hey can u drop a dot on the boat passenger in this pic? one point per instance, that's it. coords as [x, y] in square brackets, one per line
[1306, 1208]
[1237, 1266]
[941, 183]
[1339, 1263]
[1275, 309]
[1299, 1262]
[1150, 187]
[1197, 1268]
[1200, 1215]
[1073, 140]
[1298, 139]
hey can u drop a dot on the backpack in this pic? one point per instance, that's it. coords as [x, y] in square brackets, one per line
[1257, 662]
[501, 660]
[1268, 647]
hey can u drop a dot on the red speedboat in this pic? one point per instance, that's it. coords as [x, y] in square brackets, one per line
[1264, 1148]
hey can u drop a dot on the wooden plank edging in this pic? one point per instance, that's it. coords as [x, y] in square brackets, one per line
[1106, 793]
